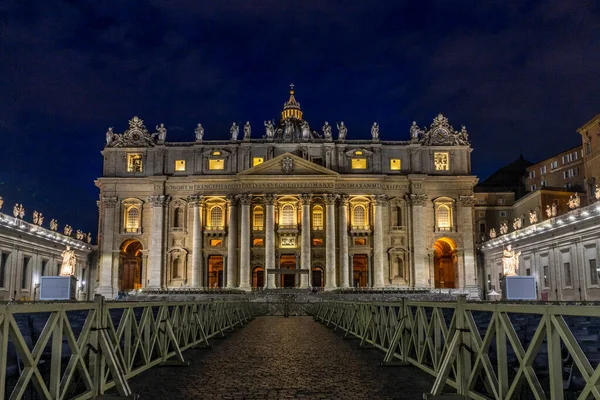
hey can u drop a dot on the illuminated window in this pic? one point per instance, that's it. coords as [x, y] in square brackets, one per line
[395, 164]
[287, 215]
[178, 217]
[358, 216]
[134, 163]
[358, 153]
[441, 161]
[132, 219]
[443, 217]
[216, 153]
[317, 217]
[179, 165]
[360, 242]
[216, 216]
[216, 242]
[257, 160]
[359, 163]
[258, 242]
[317, 242]
[259, 218]
[217, 164]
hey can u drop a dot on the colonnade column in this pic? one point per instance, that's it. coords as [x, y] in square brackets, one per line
[421, 271]
[155, 258]
[197, 203]
[270, 240]
[466, 216]
[105, 287]
[330, 266]
[231, 242]
[305, 251]
[378, 256]
[245, 200]
[344, 264]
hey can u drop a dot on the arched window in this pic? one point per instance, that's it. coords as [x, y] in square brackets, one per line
[443, 214]
[287, 215]
[177, 268]
[216, 216]
[317, 217]
[178, 217]
[259, 218]
[358, 218]
[132, 216]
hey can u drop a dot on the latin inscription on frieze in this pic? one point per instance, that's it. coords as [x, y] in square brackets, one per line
[286, 185]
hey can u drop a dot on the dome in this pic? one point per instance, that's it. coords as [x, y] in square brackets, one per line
[292, 127]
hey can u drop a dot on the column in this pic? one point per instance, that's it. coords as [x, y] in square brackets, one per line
[270, 240]
[245, 200]
[107, 228]
[378, 239]
[305, 257]
[418, 237]
[351, 277]
[330, 275]
[232, 234]
[344, 265]
[155, 262]
[466, 216]
[196, 203]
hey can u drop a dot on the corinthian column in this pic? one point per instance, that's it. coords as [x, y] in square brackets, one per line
[344, 265]
[232, 243]
[270, 240]
[155, 258]
[378, 252]
[305, 251]
[330, 276]
[467, 277]
[418, 234]
[245, 200]
[107, 228]
[197, 268]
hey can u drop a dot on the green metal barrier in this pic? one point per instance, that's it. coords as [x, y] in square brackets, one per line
[467, 345]
[115, 342]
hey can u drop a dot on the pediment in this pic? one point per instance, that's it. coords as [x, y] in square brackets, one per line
[288, 164]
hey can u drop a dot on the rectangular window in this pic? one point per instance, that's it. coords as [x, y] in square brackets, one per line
[532, 188]
[318, 242]
[482, 227]
[543, 170]
[565, 159]
[44, 266]
[360, 242]
[567, 270]
[554, 165]
[395, 164]
[359, 163]
[441, 161]
[481, 214]
[528, 271]
[574, 156]
[568, 185]
[216, 242]
[500, 200]
[594, 272]
[544, 183]
[503, 213]
[134, 162]
[258, 242]
[257, 161]
[3, 268]
[216, 164]
[25, 272]
[179, 165]
[531, 174]
[546, 277]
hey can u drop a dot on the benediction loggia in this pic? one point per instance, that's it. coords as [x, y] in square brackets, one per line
[293, 208]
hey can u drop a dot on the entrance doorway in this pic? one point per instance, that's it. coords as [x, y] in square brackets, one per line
[360, 270]
[317, 277]
[258, 277]
[130, 265]
[445, 263]
[215, 271]
[288, 261]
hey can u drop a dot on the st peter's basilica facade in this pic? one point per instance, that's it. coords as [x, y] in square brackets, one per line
[293, 208]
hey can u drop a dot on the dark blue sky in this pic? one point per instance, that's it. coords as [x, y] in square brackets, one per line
[522, 78]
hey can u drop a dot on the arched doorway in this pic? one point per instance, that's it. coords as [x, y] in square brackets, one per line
[288, 261]
[317, 277]
[130, 265]
[215, 271]
[444, 263]
[258, 277]
[360, 270]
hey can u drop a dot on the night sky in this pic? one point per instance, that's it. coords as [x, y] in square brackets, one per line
[522, 78]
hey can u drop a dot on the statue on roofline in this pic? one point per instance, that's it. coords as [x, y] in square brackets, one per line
[492, 233]
[269, 129]
[162, 132]
[375, 131]
[533, 217]
[199, 131]
[247, 131]
[415, 131]
[53, 225]
[234, 131]
[110, 135]
[1, 202]
[503, 228]
[342, 131]
[327, 130]
[305, 130]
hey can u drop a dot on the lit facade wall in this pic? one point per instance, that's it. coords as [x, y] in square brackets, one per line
[590, 137]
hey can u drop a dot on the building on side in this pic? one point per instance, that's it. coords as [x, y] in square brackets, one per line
[29, 251]
[289, 207]
[590, 137]
[564, 170]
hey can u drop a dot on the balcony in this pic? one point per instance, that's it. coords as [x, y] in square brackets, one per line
[214, 231]
[287, 229]
[445, 229]
[398, 228]
[360, 230]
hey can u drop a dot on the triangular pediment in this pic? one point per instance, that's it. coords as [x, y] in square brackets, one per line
[288, 164]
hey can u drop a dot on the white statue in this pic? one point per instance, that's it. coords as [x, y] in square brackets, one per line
[53, 225]
[415, 131]
[199, 133]
[16, 210]
[510, 261]
[235, 130]
[305, 130]
[68, 230]
[554, 209]
[533, 217]
[79, 235]
[109, 135]
[288, 129]
[68, 262]
[597, 192]
[327, 130]
[89, 237]
[574, 201]
[548, 211]
[375, 131]
[269, 129]
[517, 224]
[40, 219]
[492, 233]
[247, 131]
[503, 228]
[162, 132]
[19, 211]
[1, 202]
[35, 217]
[342, 131]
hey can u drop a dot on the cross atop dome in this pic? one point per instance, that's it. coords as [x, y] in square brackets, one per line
[291, 108]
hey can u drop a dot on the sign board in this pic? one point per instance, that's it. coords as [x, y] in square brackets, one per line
[58, 288]
[520, 288]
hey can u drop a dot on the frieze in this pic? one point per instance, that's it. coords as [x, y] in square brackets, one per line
[286, 185]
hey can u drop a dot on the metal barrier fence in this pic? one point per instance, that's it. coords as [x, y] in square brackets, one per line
[283, 308]
[482, 350]
[81, 350]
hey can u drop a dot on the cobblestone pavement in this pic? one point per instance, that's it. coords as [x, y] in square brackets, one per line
[283, 358]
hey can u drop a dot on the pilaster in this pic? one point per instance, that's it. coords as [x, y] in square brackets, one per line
[466, 215]
[344, 264]
[305, 257]
[232, 235]
[245, 200]
[330, 262]
[197, 204]
[158, 203]
[378, 254]
[107, 211]
[421, 267]
[270, 240]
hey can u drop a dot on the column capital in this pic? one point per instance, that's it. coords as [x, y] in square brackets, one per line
[416, 199]
[244, 199]
[109, 202]
[331, 198]
[159, 201]
[305, 199]
[467, 201]
[344, 199]
[231, 200]
[270, 198]
[380, 199]
[196, 200]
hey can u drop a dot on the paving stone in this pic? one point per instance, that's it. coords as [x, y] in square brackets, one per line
[283, 358]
